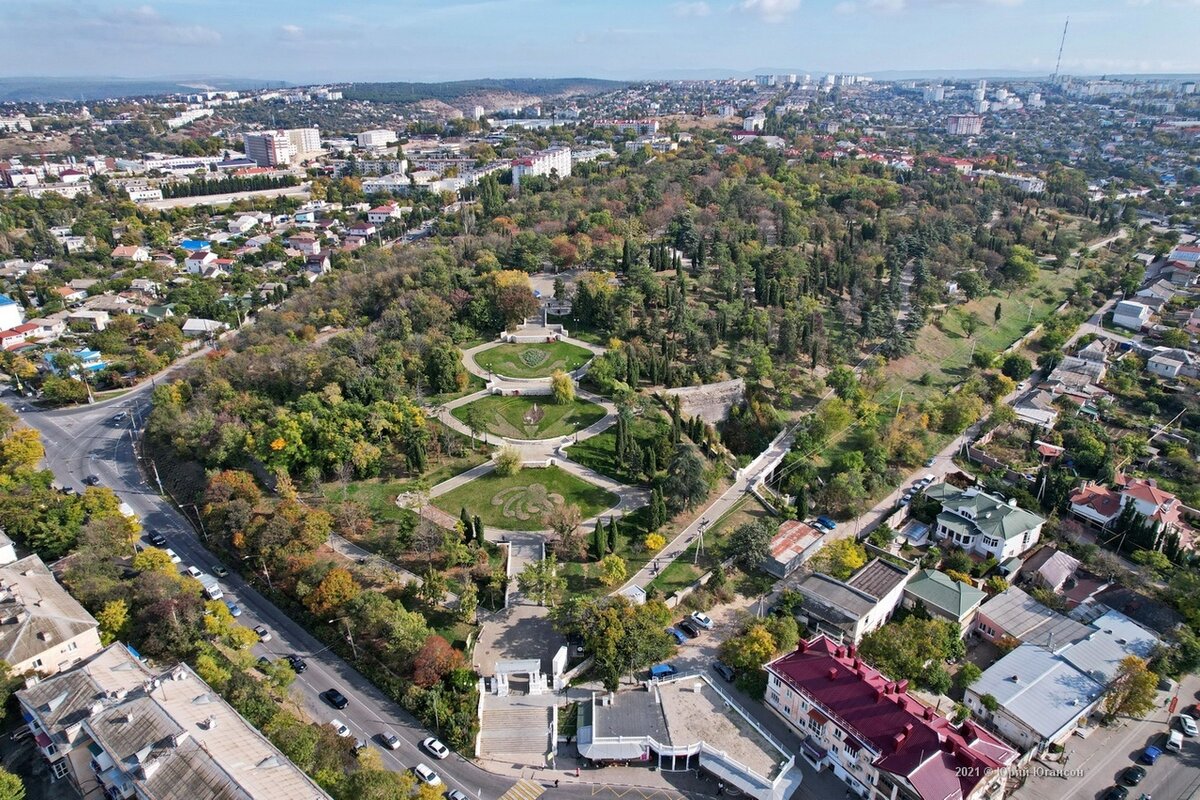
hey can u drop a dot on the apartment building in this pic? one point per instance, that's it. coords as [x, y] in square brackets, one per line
[556, 160]
[306, 141]
[376, 138]
[44, 630]
[964, 125]
[880, 741]
[117, 729]
[269, 148]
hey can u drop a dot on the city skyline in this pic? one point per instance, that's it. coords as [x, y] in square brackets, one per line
[423, 40]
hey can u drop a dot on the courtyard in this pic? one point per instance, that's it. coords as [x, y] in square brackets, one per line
[518, 502]
[521, 417]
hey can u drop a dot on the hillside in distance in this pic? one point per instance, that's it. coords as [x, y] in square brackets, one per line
[459, 93]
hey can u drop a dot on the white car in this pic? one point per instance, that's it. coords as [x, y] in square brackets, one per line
[340, 728]
[194, 572]
[175, 559]
[702, 619]
[1188, 724]
[426, 775]
[436, 748]
[264, 635]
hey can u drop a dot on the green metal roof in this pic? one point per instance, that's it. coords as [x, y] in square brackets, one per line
[938, 590]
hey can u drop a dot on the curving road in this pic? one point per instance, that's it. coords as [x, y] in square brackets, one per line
[88, 441]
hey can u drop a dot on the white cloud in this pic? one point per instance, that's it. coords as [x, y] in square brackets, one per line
[699, 8]
[769, 10]
[889, 6]
[845, 7]
[144, 25]
[292, 33]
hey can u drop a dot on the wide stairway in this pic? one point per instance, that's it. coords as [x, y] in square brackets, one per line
[516, 731]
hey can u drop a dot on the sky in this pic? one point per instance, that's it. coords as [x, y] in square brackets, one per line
[311, 41]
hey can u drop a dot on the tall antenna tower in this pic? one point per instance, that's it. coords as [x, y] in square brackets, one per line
[1062, 43]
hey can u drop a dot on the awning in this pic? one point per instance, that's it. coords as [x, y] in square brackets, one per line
[818, 716]
[812, 749]
[42, 740]
[851, 744]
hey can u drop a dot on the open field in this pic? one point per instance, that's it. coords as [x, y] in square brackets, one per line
[516, 417]
[517, 502]
[944, 354]
[532, 360]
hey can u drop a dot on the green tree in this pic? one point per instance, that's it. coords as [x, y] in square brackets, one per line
[468, 602]
[612, 570]
[839, 559]
[1133, 690]
[686, 483]
[1016, 366]
[11, 787]
[562, 387]
[540, 580]
[750, 544]
[508, 461]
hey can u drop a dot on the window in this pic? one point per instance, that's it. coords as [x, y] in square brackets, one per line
[814, 726]
[789, 694]
[787, 710]
[72, 647]
[51, 749]
[59, 768]
[775, 698]
[833, 748]
[775, 680]
[37, 662]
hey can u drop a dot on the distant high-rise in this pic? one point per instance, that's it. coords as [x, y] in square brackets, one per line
[964, 125]
[934, 94]
[305, 140]
[764, 80]
[269, 148]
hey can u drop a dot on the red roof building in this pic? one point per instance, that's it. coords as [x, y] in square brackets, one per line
[878, 739]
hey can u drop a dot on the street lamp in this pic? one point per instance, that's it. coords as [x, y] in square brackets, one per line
[263, 563]
[349, 635]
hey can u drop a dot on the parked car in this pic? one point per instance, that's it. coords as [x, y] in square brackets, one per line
[335, 698]
[359, 746]
[826, 523]
[157, 539]
[234, 609]
[264, 635]
[663, 670]
[1150, 755]
[435, 748]
[296, 662]
[930, 461]
[702, 619]
[1175, 741]
[455, 794]
[426, 775]
[390, 740]
[340, 728]
[194, 571]
[688, 628]
[175, 559]
[1188, 725]
[119, 417]
[678, 634]
[92, 480]
[724, 670]
[1132, 776]
[1116, 793]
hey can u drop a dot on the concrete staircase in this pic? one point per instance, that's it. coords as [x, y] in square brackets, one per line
[516, 731]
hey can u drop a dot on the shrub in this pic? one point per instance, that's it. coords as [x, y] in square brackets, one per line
[508, 461]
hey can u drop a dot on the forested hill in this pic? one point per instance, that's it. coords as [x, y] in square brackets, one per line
[400, 92]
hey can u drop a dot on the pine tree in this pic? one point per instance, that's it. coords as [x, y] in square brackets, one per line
[651, 463]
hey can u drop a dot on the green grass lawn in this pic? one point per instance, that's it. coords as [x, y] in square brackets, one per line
[682, 572]
[945, 354]
[505, 416]
[600, 452]
[517, 502]
[633, 528]
[537, 360]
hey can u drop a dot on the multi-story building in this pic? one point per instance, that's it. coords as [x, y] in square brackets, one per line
[556, 160]
[982, 523]
[638, 127]
[934, 94]
[269, 148]
[1026, 183]
[44, 630]
[306, 140]
[882, 742]
[117, 729]
[964, 125]
[376, 138]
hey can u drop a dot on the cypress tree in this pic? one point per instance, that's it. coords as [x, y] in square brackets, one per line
[613, 536]
[651, 463]
[479, 530]
[598, 540]
[468, 526]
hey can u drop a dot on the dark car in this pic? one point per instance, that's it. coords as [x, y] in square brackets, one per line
[724, 670]
[297, 663]
[335, 699]
[92, 480]
[1116, 793]
[157, 539]
[1132, 776]
[688, 627]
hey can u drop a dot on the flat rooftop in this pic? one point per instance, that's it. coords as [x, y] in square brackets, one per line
[695, 711]
[629, 714]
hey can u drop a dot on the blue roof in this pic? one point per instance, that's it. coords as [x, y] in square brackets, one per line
[194, 244]
[5, 300]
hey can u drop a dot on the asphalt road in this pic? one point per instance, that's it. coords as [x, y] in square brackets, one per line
[87, 441]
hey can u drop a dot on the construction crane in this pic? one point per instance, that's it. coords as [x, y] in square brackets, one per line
[1061, 44]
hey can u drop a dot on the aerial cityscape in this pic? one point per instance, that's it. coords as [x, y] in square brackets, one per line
[518, 399]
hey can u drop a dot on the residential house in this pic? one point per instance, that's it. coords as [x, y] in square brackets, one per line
[131, 253]
[794, 543]
[982, 523]
[1101, 505]
[242, 224]
[49, 329]
[1096, 350]
[70, 296]
[197, 261]
[44, 630]
[849, 610]
[146, 286]
[15, 337]
[1055, 571]
[384, 213]
[1131, 315]
[88, 318]
[944, 597]
[305, 243]
[118, 726]
[1095, 503]
[875, 737]
[1185, 252]
[11, 313]
[197, 327]
[1037, 408]
[1168, 362]
[1013, 614]
[363, 229]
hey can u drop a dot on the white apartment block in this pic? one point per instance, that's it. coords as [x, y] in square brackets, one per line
[376, 138]
[964, 125]
[305, 140]
[269, 148]
[556, 160]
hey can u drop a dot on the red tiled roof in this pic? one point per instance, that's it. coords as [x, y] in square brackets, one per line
[942, 761]
[1147, 491]
[1101, 499]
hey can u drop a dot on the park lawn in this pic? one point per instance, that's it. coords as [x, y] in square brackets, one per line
[517, 502]
[474, 384]
[537, 360]
[682, 573]
[377, 494]
[504, 416]
[632, 529]
[944, 355]
[599, 452]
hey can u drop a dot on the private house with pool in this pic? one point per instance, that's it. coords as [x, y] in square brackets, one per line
[982, 523]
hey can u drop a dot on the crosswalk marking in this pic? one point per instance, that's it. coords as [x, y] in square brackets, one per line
[524, 789]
